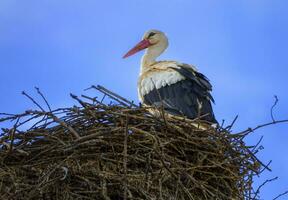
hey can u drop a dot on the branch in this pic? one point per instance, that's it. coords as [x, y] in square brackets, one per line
[29, 97]
[271, 110]
[113, 96]
[280, 195]
[265, 182]
[250, 130]
[43, 97]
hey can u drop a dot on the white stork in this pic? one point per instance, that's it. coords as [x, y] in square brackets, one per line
[178, 87]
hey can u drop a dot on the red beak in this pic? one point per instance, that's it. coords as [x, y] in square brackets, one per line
[140, 46]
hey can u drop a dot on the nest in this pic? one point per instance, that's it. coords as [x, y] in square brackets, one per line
[119, 151]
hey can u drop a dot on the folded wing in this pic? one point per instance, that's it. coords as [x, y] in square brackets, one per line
[180, 89]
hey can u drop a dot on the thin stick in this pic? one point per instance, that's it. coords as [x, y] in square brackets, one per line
[271, 110]
[280, 195]
[264, 183]
[29, 97]
[228, 128]
[113, 95]
[43, 97]
[125, 158]
[250, 130]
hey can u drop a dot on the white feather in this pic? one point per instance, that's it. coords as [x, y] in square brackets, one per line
[158, 80]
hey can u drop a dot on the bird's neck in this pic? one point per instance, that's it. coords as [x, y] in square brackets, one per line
[151, 54]
[147, 60]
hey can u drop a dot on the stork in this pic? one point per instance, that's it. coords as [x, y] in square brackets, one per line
[177, 87]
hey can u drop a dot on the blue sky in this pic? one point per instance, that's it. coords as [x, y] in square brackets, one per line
[65, 46]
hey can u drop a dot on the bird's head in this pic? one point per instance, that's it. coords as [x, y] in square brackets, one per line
[151, 38]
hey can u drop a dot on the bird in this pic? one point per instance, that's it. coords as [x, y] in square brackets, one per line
[179, 88]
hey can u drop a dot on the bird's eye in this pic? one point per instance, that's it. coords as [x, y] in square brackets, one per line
[151, 34]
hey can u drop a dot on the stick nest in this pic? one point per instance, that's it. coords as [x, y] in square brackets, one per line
[119, 151]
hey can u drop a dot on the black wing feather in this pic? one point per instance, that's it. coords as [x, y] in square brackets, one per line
[199, 78]
[183, 97]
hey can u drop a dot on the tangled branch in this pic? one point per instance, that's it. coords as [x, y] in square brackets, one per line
[104, 150]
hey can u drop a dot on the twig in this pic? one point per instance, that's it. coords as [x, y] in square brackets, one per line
[56, 119]
[94, 99]
[114, 96]
[271, 110]
[43, 97]
[264, 183]
[228, 128]
[250, 130]
[265, 166]
[12, 134]
[29, 97]
[125, 157]
[280, 195]
[255, 146]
